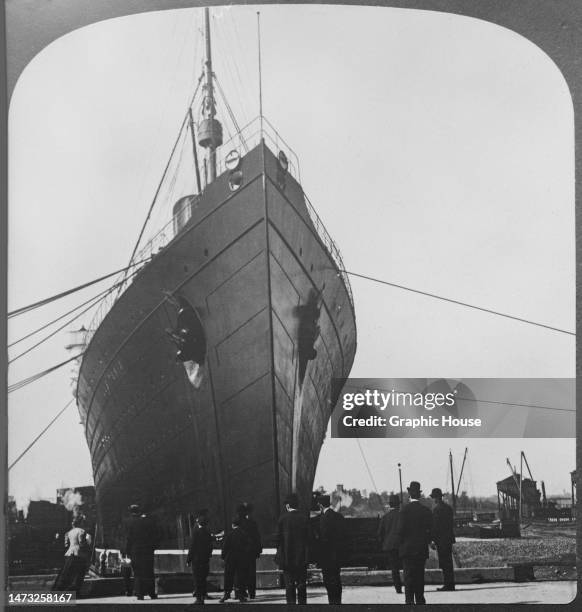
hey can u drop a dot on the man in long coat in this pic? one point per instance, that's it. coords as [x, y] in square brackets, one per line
[331, 543]
[199, 553]
[250, 527]
[388, 537]
[292, 545]
[143, 536]
[414, 533]
[444, 537]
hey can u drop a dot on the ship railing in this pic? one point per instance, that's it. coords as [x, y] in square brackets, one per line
[331, 247]
[144, 256]
[250, 136]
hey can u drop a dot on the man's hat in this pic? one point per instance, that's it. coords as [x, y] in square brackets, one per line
[436, 493]
[324, 500]
[394, 501]
[414, 488]
[135, 509]
[293, 500]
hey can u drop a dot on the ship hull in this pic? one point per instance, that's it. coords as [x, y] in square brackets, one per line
[250, 263]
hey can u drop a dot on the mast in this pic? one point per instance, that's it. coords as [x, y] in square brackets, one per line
[210, 132]
[453, 483]
[462, 468]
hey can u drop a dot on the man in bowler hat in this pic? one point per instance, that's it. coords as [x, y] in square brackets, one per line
[235, 553]
[249, 525]
[199, 554]
[331, 543]
[443, 537]
[292, 543]
[388, 537]
[414, 534]
[143, 537]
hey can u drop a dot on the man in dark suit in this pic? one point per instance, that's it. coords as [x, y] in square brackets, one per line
[235, 553]
[292, 539]
[199, 553]
[388, 537]
[331, 541]
[443, 537]
[249, 525]
[143, 536]
[414, 534]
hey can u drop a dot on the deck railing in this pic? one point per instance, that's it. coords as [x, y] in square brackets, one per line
[331, 247]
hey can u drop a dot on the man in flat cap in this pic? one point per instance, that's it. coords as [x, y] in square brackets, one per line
[292, 544]
[331, 541]
[388, 538]
[414, 534]
[443, 537]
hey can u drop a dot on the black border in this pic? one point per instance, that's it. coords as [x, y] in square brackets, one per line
[553, 25]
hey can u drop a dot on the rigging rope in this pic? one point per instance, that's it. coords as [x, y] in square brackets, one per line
[95, 300]
[39, 435]
[158, 189]
[53, 298]
[26, 381]
[184, 123]
[39, 329]
[367, 466]
[231, 114]
[43, 340]
[445, 299]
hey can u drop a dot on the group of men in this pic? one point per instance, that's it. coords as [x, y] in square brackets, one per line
[299, 541]
[407, 533]
[241, 548]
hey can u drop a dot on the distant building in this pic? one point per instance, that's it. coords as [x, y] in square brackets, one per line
[11, 511]
[560, 501]
[48, 518]
[508, 496]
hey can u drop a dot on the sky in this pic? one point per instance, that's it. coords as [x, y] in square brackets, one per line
[437, 149]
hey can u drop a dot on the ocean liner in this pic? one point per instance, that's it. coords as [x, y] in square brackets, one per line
[209, 378]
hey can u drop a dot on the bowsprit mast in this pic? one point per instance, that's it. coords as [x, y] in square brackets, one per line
[209, 379]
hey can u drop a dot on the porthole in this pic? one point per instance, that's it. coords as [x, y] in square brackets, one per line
[232, 160]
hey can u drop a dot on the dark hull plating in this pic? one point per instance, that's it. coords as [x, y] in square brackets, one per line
[247, 261]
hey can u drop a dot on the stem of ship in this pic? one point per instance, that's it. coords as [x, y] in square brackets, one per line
[210, 105]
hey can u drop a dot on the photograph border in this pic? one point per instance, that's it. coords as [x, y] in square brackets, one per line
[30, 25]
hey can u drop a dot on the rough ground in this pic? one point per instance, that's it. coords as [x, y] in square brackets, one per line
[551, 542]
